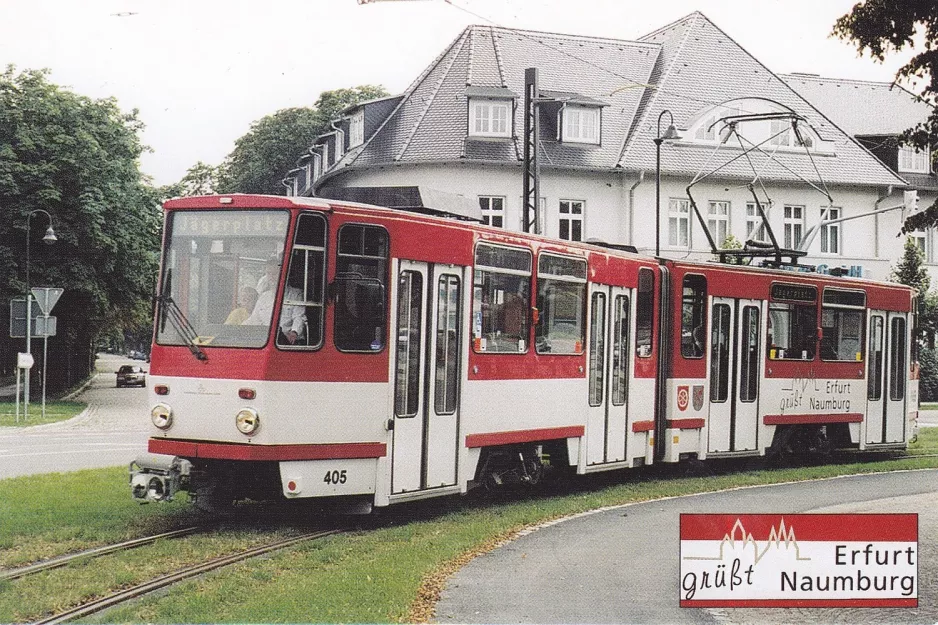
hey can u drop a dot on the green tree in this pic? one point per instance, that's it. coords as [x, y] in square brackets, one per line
[882, 27]
[200, 179]
[77, 159]
[910, 269]
[262, 157]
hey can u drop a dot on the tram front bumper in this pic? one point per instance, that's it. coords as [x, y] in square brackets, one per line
[158, 477]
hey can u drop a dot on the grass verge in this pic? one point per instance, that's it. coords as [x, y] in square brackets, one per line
[55, 411]
[390, 573]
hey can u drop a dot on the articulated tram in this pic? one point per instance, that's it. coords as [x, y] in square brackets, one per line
[317, 349]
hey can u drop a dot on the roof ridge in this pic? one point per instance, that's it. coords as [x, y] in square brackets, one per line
[693, 14]
[566, 36]
[662, 79]
[429, 102]
[819, 78]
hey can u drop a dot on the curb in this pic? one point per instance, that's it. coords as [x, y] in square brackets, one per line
[80, 389]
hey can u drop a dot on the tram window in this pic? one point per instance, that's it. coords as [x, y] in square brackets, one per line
[597, 356]
[874, 389]
[447, 345]
[501, 300]
[561, 289]
[842, 316]
[721, 333]
[409, 334]
[620, 351]
[694, 316]
[792, 331]
[749, 356]
[897, 372]
[305, 284]
[645, 313]
[360, 288]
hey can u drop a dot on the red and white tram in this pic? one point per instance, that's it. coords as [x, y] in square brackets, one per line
[308, 348]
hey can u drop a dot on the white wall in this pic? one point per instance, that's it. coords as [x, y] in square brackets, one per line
[869, 242]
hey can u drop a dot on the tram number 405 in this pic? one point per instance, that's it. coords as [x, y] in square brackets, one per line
[335, 477]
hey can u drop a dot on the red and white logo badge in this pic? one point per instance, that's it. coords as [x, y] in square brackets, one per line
[799, 560]
[683, 395]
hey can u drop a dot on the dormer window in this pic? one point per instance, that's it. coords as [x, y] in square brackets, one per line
[490, 112]
[580, 124]
[489, 118]
[913, 161]
[356, 130]
[773, 132]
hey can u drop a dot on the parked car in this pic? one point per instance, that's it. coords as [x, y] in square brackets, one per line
[130, 375]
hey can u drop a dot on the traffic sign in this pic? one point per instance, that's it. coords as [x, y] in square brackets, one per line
[47, 297]
[43, 326]
[18, 317]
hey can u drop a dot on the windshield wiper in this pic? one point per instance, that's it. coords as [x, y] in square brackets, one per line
[169, 309]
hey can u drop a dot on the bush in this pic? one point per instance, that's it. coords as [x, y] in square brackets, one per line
[928, 381]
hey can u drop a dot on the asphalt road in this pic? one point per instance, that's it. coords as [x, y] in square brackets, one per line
[621, 565]
[111, 432]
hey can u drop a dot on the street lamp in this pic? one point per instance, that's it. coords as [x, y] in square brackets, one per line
[48, 239]
[669, 135]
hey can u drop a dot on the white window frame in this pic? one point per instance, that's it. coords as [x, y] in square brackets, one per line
[718, 218]
[922, 239]
[831, 234]
[793, 220]
[581, 124]
[913, 161]
[570, 212]
[489, 117]
[753, 221]
[678, 214]
[356, 129]
[325, 155]
[493, 209]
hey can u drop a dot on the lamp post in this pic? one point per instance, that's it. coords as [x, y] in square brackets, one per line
[669, 135]
[48, 239]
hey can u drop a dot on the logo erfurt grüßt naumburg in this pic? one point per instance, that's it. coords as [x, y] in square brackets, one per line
[799, 560]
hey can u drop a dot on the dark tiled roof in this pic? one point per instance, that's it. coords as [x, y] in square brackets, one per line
[693, 64]
[700, 67]
[860, 106]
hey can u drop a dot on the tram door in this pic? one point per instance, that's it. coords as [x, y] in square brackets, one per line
[427, 354]
[608, 358]
[734, 374]
[887, 377]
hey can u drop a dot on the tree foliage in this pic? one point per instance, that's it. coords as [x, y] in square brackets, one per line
[77, 159]
[910, 269]
[262, 157]
[881, 27]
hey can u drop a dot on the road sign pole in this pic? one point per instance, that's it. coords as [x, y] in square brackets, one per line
[17, 393]
[45, 351]
[29, 350]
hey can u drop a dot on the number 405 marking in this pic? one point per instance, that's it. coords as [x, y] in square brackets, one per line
[335, 477]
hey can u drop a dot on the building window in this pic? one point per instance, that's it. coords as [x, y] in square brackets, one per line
[678, 222]
[493, 211]
[718, 221]
[830, 233]
[356, 131]
[489, 118]
[571, 220]
[581, 124]
[755, 228]
[794, 225]
[913, 161]
[920, 237]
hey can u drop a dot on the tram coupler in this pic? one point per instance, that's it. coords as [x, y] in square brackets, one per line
[158, 477]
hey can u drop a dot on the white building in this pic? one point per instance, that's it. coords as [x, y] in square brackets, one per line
[459, 127]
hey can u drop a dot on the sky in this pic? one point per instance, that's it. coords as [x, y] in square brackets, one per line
[200, 71]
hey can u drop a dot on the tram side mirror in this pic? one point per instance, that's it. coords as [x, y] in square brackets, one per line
[535, 316]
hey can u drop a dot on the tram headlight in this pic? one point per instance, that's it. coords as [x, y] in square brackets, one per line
[247, 421]
[162, 416]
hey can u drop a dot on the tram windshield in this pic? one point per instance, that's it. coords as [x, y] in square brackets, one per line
[220, 277]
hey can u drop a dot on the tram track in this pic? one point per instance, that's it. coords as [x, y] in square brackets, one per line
[179, 575]
[96, 552]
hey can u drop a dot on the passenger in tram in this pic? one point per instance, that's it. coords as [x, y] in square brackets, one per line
[247, 301]
[292, 317]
